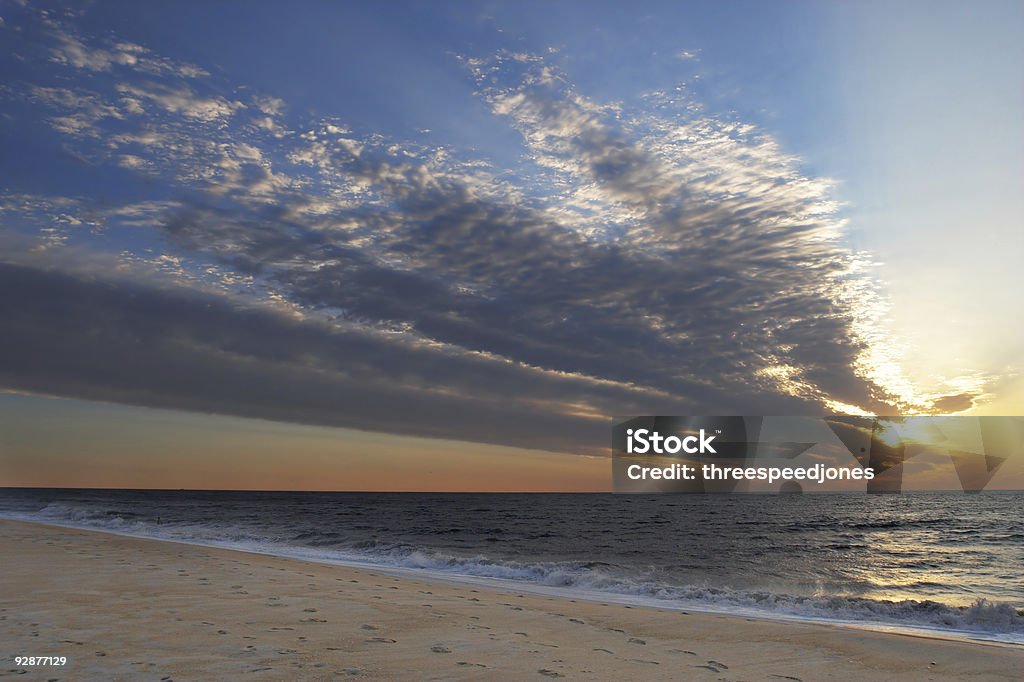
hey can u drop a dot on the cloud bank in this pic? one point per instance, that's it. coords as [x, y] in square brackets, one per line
[644, 258]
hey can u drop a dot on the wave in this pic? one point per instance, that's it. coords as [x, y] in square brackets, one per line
[998, 621]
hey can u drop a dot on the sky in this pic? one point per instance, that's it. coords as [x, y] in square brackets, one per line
[425, 245]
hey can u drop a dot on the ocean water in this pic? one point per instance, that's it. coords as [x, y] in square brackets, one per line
[936, 561]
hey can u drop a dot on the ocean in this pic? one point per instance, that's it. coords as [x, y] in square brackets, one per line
[939, 562]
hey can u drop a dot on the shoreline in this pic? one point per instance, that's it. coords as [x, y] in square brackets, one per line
[576, 593]
[202, 612]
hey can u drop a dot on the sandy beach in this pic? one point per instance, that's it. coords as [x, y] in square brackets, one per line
[124, 609]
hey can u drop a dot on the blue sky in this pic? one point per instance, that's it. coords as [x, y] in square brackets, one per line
[503, 223]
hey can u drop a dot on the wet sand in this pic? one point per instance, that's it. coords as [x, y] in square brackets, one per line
[129, 609]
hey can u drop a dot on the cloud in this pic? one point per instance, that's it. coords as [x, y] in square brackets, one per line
[644, 258]
[70, 50]
[82, 111]
[123, 340]
[181, 100]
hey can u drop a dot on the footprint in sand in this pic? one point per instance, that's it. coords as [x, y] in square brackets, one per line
[636, 640]
[438, 649]
[549, 673]
[714, 666]
[380, 640]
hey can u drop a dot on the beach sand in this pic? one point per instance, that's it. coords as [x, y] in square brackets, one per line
[124, 609]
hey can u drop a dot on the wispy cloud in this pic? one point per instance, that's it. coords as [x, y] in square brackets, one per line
[70, 50]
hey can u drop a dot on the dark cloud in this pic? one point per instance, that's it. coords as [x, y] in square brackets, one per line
[116, 340]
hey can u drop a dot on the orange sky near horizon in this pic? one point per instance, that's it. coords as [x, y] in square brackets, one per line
[52, 442]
